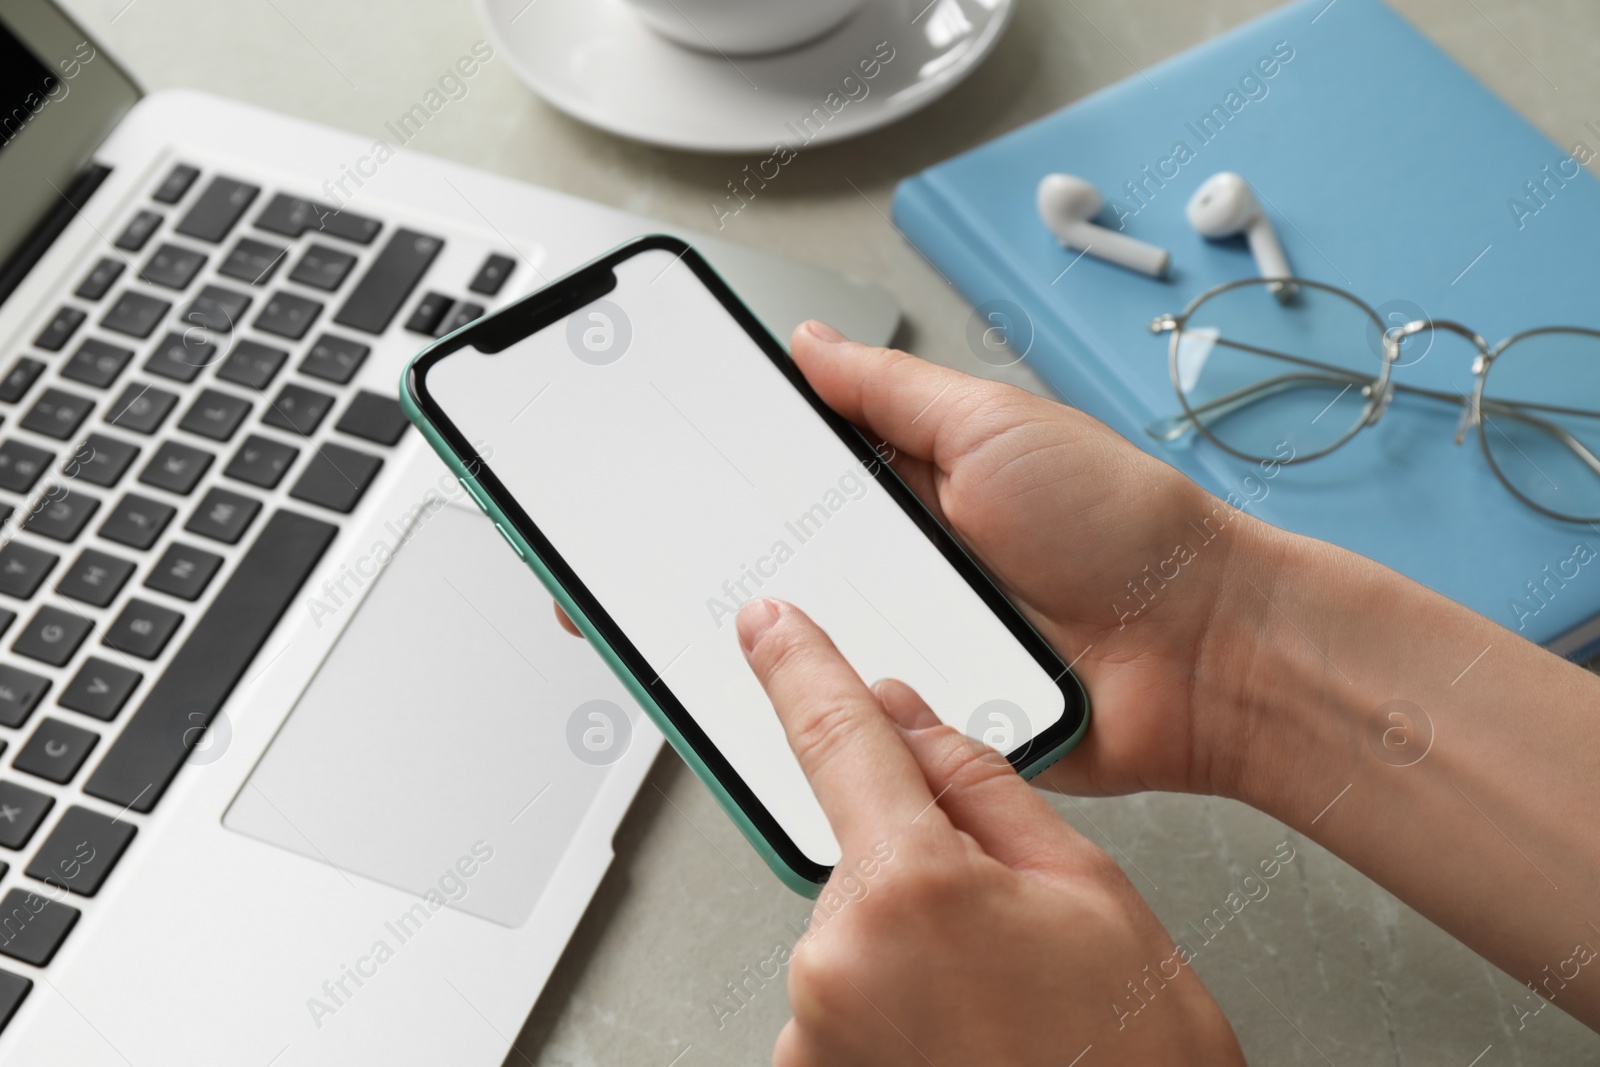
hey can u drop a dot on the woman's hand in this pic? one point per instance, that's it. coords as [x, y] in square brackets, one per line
[1127, 568]
[967, 923]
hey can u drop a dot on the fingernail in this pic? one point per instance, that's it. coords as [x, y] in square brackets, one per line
[755, 619]
[903, 705]
[823, 332]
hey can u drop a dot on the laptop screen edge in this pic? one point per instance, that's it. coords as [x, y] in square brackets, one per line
[48, 136]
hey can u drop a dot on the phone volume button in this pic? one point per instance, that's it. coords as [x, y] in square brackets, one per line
[476, 496]
[514, 546]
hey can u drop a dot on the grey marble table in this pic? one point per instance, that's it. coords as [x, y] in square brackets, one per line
[1354, 976]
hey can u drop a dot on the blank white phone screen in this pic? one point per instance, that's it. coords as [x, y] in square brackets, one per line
[679, 474]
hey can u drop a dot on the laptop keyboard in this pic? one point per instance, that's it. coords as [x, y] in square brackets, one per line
[200, 366]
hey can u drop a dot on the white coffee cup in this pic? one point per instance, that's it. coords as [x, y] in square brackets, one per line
[742, 27]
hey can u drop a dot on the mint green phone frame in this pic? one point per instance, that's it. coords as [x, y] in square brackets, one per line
[554, 301]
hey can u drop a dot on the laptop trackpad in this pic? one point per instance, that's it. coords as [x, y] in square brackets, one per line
[437, 730]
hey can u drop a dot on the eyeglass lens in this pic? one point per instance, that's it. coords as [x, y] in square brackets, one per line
[1261, 378]
[1541, 426]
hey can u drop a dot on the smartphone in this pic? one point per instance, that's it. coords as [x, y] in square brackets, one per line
[657, 459]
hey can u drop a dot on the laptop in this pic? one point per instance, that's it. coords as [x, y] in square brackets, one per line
[296, 765]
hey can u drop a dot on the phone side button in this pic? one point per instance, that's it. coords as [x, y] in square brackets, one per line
[514, 546]
[476, 496]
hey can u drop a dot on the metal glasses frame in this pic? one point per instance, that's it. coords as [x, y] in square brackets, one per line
[1379, 390]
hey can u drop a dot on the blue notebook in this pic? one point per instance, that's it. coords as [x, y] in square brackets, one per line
[1389, 171]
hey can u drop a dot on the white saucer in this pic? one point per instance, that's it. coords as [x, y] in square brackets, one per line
[595, 60]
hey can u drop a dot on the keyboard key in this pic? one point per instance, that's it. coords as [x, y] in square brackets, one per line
[19, 379]
[493, 274]
[55, 751]
[183, 571]
[388, 282]
[298, 410]
[348, 226]
[157, 739]
[261, 461]
[101, 460]
[95, 577]
[291, 216]
[98, 282]
[6, 619]
[253, 261]
[99, 689]
[57, 413]
[322, 267]
[61, 514]
[96, 363]
[135, 314]
[334, 359]
[142, 629]
[14, 990]
[21, 465]
[461, 314]
[141, 408]
[429, 313]
[59, 330]
[217, 209]
[20, 693]
[137, 521]
[223, 516]
[81, 850]
[176, 467]
[217, 309]
[175, 184]
[288, 315]
[172, 266]
[33, 928]
[139, 231]
[21, 812]
[52, 636]
[374, 417]
[336, 477]
[80, 454]
[181, 356]
[24, 568]
[215, 414]
[252, 364]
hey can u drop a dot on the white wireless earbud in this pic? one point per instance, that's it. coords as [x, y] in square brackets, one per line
[1067, 203]
[1226, 206]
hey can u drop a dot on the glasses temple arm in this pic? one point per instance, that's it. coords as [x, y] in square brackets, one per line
[1516, 411]
[1175, 426]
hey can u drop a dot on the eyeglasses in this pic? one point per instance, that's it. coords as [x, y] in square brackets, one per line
[1262, 377]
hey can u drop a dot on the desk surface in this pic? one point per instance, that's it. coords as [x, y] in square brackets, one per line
[687, 905]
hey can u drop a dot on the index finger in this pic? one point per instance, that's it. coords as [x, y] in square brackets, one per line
[866, 779]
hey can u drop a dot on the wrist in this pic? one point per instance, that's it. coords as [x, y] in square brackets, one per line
[1282, 683]
[1350, 698]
